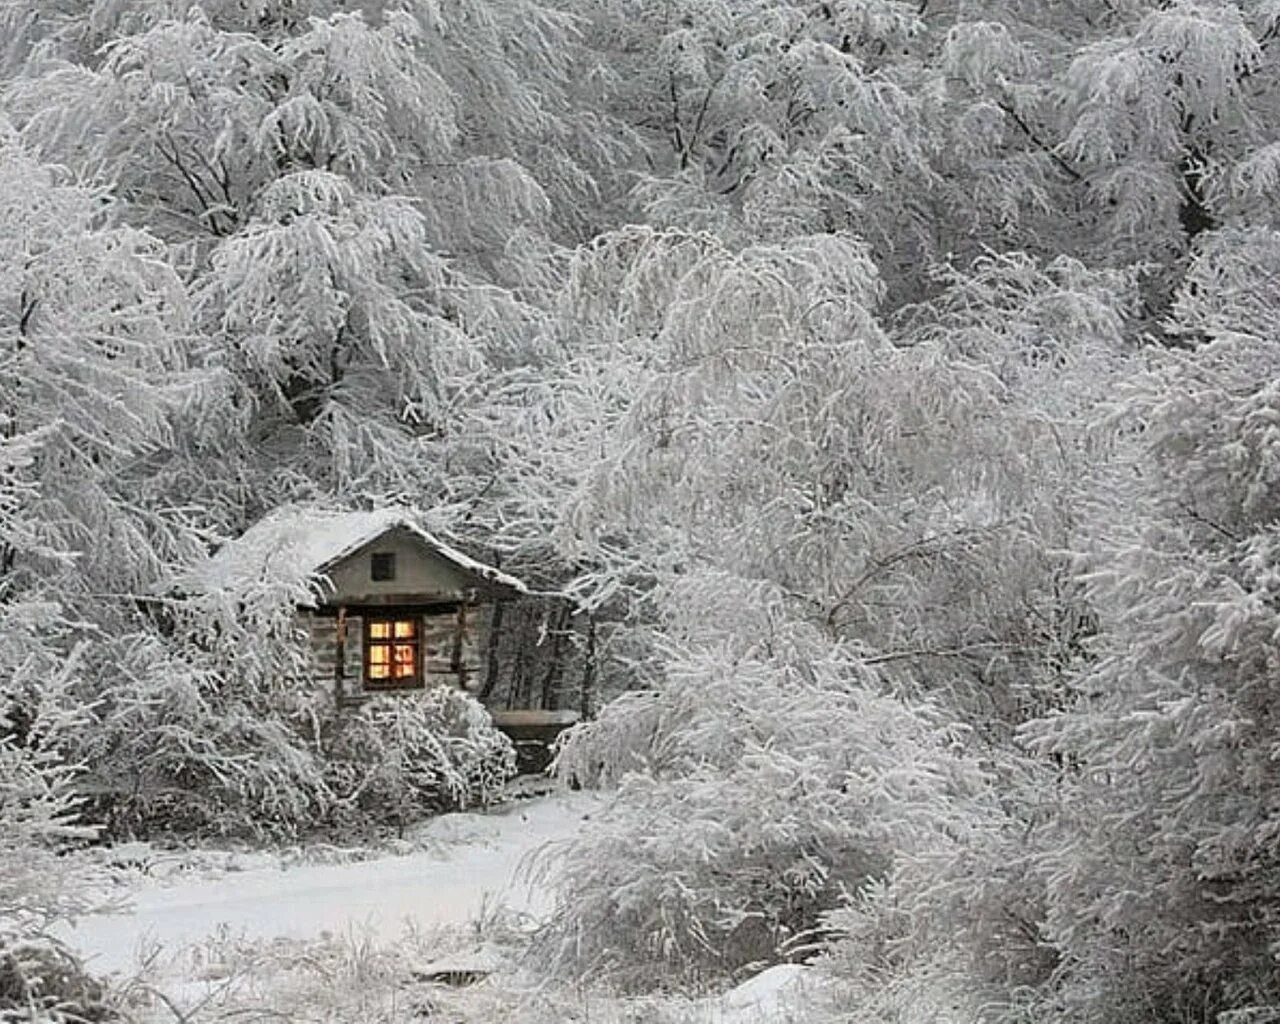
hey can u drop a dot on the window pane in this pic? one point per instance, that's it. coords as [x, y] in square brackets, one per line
[406, 627]
[379, 630]
[405, 661]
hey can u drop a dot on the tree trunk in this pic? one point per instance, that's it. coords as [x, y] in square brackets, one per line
[555, 669]
[587, 691]
[491, 652]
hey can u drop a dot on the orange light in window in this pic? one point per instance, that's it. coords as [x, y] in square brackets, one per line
[406, 661]
[393, 652]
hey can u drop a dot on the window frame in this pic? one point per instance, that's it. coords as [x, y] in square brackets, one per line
[389, 617]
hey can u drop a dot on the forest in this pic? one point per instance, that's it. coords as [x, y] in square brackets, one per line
[891, 386]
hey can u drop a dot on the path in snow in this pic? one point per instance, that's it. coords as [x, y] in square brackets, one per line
[476, 869]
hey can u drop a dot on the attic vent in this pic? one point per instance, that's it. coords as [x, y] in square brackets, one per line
[382, 566]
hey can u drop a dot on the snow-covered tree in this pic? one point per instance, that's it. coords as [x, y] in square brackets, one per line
[768, 119]
[1112, 132]
[1152, 120]
[816, 446]
[57, 411]
[1160, 867]
[40, 809]
[793, 509]
[363, 199]
[94, 341]
[742, 412]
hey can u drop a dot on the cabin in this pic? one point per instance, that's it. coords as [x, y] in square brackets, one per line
[387, 606]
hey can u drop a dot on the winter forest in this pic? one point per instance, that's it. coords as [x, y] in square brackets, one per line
[887, 392]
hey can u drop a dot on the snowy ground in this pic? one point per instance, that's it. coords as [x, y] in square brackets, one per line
[463, 867]
[213, 937]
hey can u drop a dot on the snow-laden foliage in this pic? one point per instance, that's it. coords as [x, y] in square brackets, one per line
[810, 521]
[42, 982]
[264, 304]
[40, 808]
[928, 391]
[220, 727]
[42, 710]
[748, 415]
[95, 377]
[770, 120]
[1160, 865]
[1132, 871]
[354, 197]
[760, 785]
[959, 926]
[214, 730]
[1117, 132]
[396, 760]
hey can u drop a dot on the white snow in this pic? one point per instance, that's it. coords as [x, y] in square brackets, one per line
[464, 866]
[770, 996]
[471, 867]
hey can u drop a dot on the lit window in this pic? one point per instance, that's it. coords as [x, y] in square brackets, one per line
[392, 653]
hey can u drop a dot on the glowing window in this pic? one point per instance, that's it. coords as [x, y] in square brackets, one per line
[392, 653]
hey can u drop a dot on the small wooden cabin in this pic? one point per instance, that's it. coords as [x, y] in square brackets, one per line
[391, 607]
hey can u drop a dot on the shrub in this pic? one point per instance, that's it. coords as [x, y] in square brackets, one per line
[220, 728]
[185, 745]
[40, 815]
[41, 981]
[759, 794]
[397, 758]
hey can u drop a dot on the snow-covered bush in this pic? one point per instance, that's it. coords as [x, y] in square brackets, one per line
[220, 727]
[192, 762]
[398, 758]
[1130, 873]
[763, 791]
[42, 982]
[956, 928]
[39, 816]
[273, 771]
[205, 719]
[39, 808]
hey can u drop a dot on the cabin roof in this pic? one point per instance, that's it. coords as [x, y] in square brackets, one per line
[296, 544]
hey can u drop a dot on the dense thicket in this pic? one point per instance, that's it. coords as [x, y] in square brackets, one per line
[889, 384]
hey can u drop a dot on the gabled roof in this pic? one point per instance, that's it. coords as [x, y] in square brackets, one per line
[295, 545]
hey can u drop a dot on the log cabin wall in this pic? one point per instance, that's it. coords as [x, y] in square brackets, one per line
[452, 650]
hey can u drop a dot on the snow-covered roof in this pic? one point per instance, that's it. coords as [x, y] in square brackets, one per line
[298, 544]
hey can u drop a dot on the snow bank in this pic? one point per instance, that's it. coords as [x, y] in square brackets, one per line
[774, 996]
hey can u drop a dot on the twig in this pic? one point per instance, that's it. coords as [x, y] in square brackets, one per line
[1039, 143]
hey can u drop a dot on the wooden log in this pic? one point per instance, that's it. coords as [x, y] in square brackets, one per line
[340, 653]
